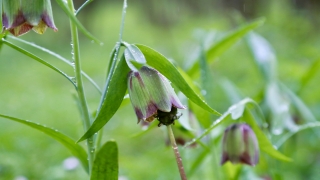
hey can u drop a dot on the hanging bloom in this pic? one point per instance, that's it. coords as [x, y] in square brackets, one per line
[152, 96]
[20, 16]
[240, 145]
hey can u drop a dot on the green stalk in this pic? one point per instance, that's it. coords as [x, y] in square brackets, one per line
[114, 58]
[177, 154]
[80, 89]
[83, 5]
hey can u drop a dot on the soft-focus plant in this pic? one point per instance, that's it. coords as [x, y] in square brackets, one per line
[158, 89]
[19, 17]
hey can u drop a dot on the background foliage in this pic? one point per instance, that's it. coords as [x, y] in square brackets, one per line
[29, 91]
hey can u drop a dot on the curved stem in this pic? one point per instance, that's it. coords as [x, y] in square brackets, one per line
[83, 5]
[80, 89]
[113, 58]
[176, 153]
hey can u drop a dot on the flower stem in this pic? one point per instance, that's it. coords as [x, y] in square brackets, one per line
[83, 5]
[117, 48]
[80, 89]
[114, 58]
[176, 153]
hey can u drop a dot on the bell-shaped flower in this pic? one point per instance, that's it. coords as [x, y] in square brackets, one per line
[151, 95]
[20, 16]
[240, 145]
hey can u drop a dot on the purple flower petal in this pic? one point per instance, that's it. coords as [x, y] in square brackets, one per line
[48, 21]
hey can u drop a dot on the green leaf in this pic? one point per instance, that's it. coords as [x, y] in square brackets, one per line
[165, 67]
[63, 5]
[38, 59]
[206, 77]
[291, 133]
[134, 57]
[310, 73]
[231, 91]
[299, 105]
[111, 99]
[69, 143]
[224, 44]
[202, 115]
[57, 56]
[263, 55]
[199, 159]
[105, 166]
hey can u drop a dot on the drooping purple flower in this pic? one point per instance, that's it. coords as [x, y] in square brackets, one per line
[152, 96]
[19, 17]
[240, 145]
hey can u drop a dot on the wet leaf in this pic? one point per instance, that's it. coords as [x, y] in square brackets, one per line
[134, 57]
[39, 60]
[301, 128]
[69, 143]
[105, 166]
[309, 75]
[225, 43]
[165, 67]
[263, 55]
[55, 55]
[111, 99]
[202, 115]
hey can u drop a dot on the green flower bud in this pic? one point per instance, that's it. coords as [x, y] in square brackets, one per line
[20, 16]
[151, 95]
[240, 145]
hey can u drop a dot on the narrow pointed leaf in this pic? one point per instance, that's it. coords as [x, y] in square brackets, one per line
[105, 166]
[73, 18]
[224, 44]
[207, 79]
[57, 56]
[69, 143]
[263, 55]
[202, 115]
[38, 59]
[198, 161]
[231, 91]
[111, 99]
[285, 137]
[310, 73]
[165, 67]
[299, 105]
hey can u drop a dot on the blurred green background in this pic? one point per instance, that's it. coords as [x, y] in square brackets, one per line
[31, 91]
